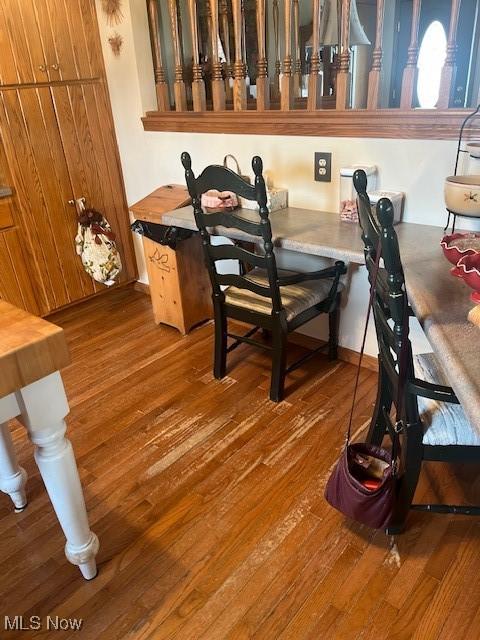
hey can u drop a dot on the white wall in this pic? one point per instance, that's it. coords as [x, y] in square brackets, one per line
[150, 159]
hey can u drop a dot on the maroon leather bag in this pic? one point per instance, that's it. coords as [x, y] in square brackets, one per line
[346, 490]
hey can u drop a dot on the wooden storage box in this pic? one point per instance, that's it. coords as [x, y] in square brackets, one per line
[178, 279]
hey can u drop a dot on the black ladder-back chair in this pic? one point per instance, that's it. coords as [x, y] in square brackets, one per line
[434, 425]
[278, 302]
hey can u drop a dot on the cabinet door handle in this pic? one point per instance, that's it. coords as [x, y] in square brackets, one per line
[55, 66]
[79, 204]
[43, 68]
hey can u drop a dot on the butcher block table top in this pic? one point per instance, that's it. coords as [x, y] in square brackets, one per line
[30, 348]
[440, 301]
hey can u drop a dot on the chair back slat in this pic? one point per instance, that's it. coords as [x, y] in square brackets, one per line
[231, 252]
[223, 179]
[230, 220]
[234, 280]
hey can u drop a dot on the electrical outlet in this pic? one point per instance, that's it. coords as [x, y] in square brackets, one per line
[323, 167]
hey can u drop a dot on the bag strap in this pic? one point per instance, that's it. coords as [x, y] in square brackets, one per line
[225, 163]
[364, 339]
[402, 378]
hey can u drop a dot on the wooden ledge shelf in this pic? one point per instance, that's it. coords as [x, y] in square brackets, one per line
[361, 123]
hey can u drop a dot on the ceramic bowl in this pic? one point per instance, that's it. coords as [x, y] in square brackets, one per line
[454, 253]
[470, 267]
[473, 148]
[462, 195]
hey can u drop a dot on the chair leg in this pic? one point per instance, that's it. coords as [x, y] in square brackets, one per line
[279, 363]
[333, 322]
[378, 426]
[220, 358]
[413, 455]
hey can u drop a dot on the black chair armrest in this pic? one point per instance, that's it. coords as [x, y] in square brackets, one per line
[433, 391]
[337, 270]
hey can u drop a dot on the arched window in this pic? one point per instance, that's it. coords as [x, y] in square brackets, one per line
[431, 58]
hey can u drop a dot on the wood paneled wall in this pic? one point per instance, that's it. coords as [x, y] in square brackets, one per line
[58, 145]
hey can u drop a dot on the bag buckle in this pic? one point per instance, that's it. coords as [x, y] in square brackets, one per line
[399, 427]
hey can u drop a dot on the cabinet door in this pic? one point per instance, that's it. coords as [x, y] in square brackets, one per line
[88, 138]
[22, 58]
[48, 40]
[70, 39]
[42, 184]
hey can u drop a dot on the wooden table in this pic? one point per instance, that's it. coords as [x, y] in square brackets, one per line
[32, 351]
[441, 302]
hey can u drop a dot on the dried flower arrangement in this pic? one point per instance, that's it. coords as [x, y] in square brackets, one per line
[113, 11]
[116, 42]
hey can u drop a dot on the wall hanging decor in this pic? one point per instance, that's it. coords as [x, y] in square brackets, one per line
[95, 244]
[113, 11]
[116, 42]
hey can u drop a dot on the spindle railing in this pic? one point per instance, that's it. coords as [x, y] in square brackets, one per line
[213, 74]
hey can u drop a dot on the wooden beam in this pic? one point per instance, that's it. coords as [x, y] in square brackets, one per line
[161, 86]
[179, 89]
[449, 68]
[343, 76]
[198, 84]
[410, 71]
[352, 123]
[240, 70]
[263, 84]
[218, 86]
[373, 100]
[286, 79]
[314, 78]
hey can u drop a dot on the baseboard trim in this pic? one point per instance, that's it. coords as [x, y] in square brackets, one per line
[302, 340]
[344, 354]
[142, 287]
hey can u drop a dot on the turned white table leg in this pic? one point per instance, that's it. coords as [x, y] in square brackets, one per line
[44, 405]
[12, 476]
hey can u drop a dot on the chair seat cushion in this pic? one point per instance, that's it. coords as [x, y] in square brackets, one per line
[296, 298]
[445, 423]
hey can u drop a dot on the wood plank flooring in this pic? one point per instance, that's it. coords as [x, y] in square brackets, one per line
[208, 502]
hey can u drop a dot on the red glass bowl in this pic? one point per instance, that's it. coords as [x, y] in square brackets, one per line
[470, 269]
[453, 253]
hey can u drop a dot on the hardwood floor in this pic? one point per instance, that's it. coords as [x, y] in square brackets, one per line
[208, 502]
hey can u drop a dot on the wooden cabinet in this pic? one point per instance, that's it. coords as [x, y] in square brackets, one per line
[48, 40]
[58, 145]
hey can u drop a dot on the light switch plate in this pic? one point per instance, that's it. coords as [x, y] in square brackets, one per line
[323, 166]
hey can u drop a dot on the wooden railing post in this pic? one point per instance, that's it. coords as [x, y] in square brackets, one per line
[276, 34]
[218, 86]
[375, 73]
[448, 71]
[410, 71]
[314, 79]
[286, 79]
[343, 75]
[161, 86]
[198, 85]
[225, 29]
[239, 83]
[297, 65]
[179, 90]
[263, 85]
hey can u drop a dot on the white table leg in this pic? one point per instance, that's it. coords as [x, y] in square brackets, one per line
[43, 406]
[12, 476]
